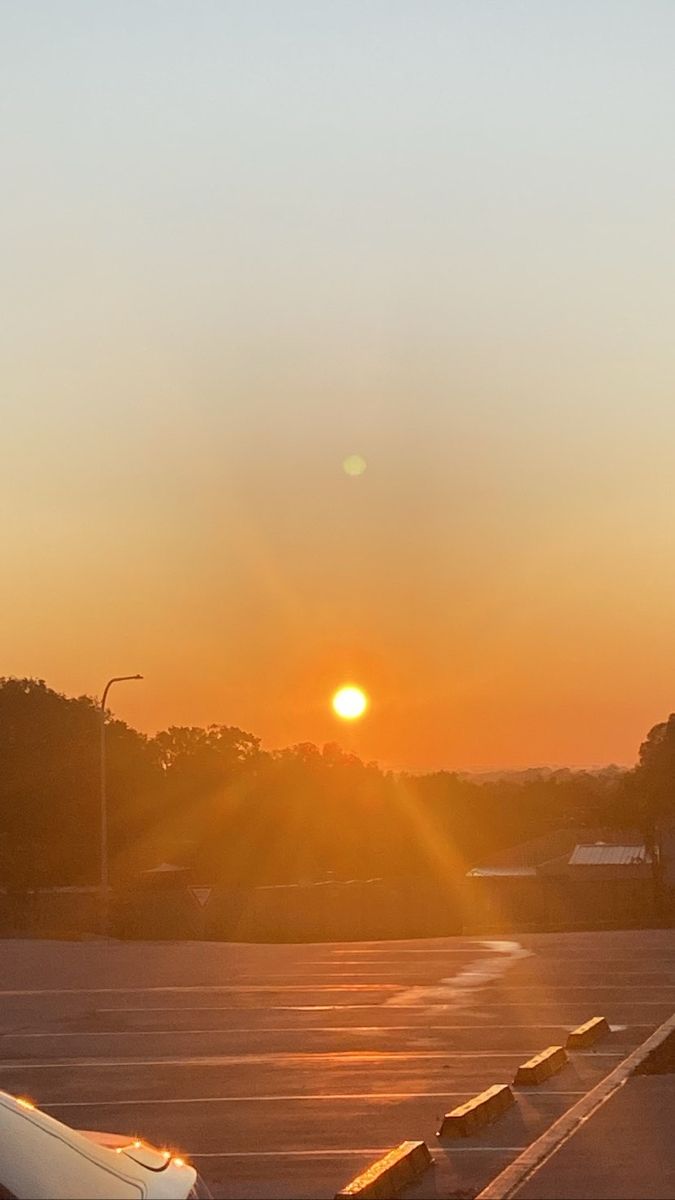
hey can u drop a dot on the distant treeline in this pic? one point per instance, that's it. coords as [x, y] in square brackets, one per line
[213, 800]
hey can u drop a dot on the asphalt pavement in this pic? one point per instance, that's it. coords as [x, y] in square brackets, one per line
[626, 1149]
[283, 1071]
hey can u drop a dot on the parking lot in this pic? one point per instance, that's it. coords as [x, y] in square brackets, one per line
[282, 1071]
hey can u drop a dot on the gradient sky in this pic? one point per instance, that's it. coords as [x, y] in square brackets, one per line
[243, 240]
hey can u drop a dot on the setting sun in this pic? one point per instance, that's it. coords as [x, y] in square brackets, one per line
[350, 703]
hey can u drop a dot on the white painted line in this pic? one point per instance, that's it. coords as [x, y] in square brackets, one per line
[516, 989]
[185, 1008]
[272, 1099]
[291, 1029]
[389, 948]
[544, 959]
[479, 1007]
[382, 964]
[586, 987]
[551, 970]
[350, 1058]
[394, 955]
[541, 953]
[248, 987]
[339, 1153]
[368, 972]
[285, 1153]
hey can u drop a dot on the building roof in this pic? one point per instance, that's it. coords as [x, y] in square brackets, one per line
[600, 854]
[555, 849]
[501, 872]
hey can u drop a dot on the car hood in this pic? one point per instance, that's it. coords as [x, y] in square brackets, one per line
[42, 1159]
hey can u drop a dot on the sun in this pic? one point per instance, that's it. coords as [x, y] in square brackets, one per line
[350, 702]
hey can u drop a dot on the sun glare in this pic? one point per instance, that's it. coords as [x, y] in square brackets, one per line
[354, 465]
[350, 703]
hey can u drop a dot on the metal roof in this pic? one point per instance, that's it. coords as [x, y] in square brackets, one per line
[501, 872]
[601, 854]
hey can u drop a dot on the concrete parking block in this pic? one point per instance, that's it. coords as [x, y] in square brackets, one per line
[541, 1067]
[588, 1033]
[481, 1110]
[390, 1173]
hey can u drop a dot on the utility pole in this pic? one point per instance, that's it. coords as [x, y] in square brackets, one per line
[105, 874]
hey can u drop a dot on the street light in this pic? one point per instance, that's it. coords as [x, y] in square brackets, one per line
[104, 798]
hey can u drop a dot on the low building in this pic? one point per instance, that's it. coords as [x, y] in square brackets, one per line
[576, 878]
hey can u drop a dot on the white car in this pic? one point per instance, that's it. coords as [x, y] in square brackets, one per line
[41, 1159]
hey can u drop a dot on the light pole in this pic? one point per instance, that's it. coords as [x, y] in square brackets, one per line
[104, 798]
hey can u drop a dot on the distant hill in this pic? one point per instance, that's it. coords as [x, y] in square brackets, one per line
[533, 774]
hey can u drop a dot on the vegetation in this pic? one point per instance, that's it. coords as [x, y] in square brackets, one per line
[213, 799]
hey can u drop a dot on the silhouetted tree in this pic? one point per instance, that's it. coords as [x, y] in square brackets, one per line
[213, 799]
[49, 786]
[652, 785]
[208, 774]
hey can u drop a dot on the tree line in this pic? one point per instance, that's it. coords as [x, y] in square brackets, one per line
[213, 800]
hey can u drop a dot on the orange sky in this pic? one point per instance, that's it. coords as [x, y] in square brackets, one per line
[242, 250]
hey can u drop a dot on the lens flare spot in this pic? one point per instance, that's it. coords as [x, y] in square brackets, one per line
[354, 465]
[350, 702]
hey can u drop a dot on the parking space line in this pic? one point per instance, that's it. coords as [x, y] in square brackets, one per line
[389, 966]
[340, 1153]
[206, 987]
[273, 1099]
[339, 972]
[467, 948]
[542, 952]
[323, 987]
[290, 1029]
[285, 1153]
[589, 987]
[302, 1058]
[184, 1008]
[387, 956]
[374, 1006]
